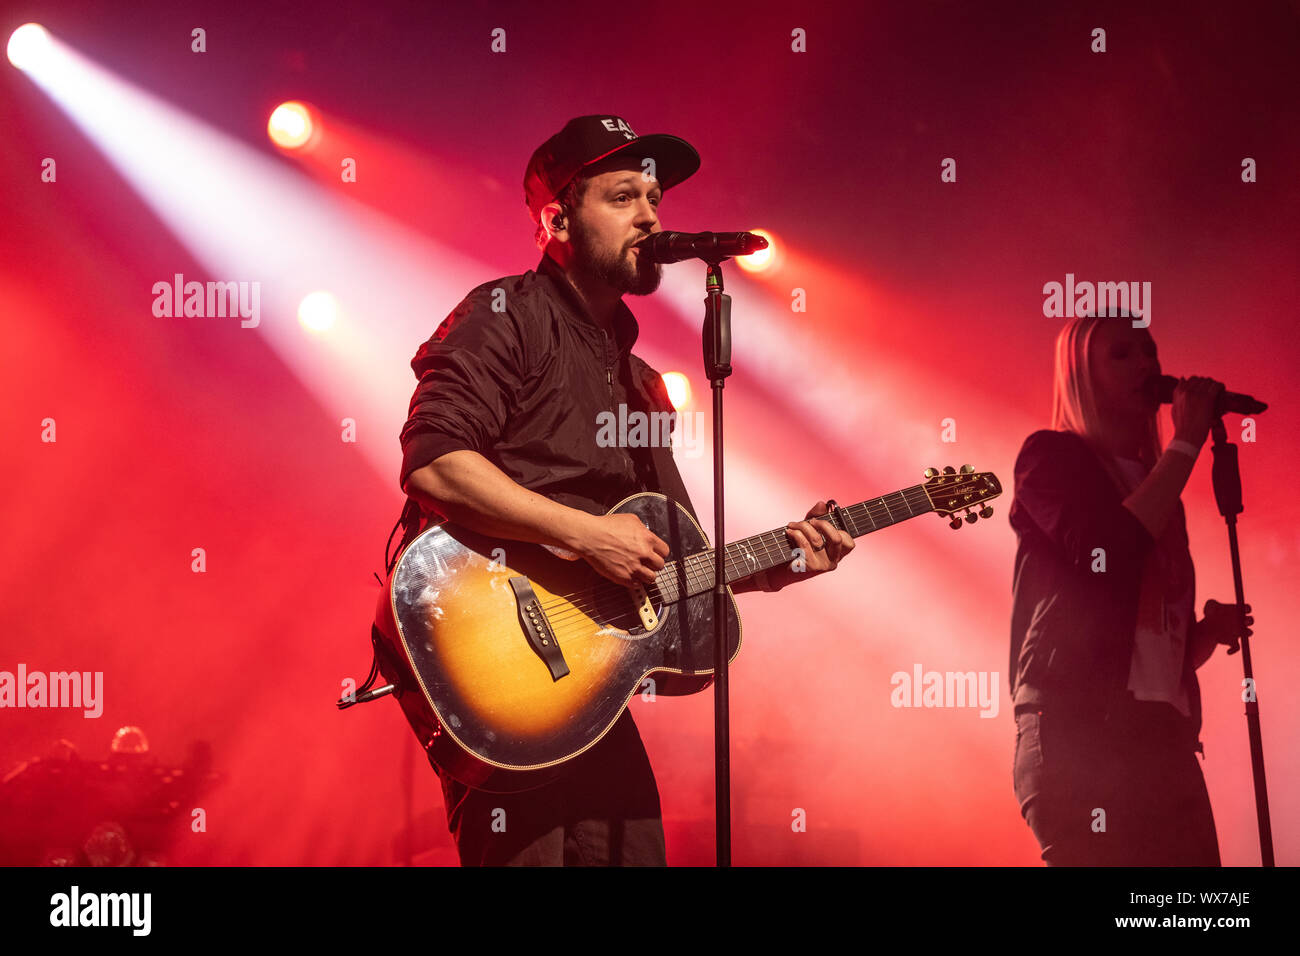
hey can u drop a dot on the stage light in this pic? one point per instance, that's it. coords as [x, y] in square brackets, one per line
[679, 389]
[29, 46]
[764, 258]
[291, 125]
[250, 218]
[318, 311]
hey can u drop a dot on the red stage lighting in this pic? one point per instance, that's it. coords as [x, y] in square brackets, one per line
[291, 125]
[679, 389]
[27, 45]
[318, 311]
[763, 259]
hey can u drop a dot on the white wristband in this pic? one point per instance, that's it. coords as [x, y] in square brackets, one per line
[1183, 448]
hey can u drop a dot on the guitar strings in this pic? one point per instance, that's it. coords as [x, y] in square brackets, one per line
[694, 573]
[698, 572]
[583, 600]
[580, 603]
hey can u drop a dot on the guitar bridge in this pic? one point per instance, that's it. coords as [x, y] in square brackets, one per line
[537, 629]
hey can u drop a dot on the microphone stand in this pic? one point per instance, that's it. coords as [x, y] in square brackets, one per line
[1227, 493]
[716, 337]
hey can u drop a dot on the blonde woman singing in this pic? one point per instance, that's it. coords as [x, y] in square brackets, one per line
[1105, 642]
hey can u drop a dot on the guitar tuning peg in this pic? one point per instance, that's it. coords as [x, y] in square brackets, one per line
[971, 517]
[968, 469]
[949, 470]
[986, 511]
[955, 523]
[931, 472]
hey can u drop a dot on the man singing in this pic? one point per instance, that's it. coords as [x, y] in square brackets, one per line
[502, 439]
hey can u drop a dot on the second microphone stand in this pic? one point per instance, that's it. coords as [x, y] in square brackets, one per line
[1226, 476]
[717, 366]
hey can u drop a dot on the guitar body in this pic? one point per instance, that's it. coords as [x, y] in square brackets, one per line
[509, 660]
[500, 705]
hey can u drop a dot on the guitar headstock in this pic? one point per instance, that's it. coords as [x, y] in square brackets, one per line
[951, 491]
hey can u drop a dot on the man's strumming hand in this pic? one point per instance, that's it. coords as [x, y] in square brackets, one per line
[620, 547]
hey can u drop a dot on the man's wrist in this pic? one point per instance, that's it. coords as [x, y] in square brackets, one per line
[572, 534]
[1184, 447]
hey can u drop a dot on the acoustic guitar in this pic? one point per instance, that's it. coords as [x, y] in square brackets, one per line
[512, 658]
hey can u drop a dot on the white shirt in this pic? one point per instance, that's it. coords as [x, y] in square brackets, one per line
[1156, 670]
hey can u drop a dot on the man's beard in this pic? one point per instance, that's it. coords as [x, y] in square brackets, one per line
[638, 277]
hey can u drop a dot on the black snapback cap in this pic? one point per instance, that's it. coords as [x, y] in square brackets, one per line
[589, 139]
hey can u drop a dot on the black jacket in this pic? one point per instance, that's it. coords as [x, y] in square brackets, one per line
[519, 372]
[1072, 628]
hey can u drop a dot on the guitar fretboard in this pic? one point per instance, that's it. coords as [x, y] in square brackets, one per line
[752, 555]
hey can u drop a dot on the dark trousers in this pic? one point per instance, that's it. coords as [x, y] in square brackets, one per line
[1126, 791]
[603, 811]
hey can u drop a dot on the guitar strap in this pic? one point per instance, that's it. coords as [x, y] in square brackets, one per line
[410, 519]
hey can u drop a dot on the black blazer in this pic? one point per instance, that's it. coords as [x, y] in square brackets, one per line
[1072, 628]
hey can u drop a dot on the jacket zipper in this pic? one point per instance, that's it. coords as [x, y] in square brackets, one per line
[609, 369]
[628, 465]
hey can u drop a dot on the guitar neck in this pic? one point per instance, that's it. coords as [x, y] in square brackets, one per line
[758, 553]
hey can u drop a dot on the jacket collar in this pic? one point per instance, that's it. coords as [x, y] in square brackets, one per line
[626, 329]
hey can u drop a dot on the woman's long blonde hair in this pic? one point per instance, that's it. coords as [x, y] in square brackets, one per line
[1074, 394]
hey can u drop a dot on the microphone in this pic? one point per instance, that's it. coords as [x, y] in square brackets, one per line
[1228, 401]
[709, 246]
